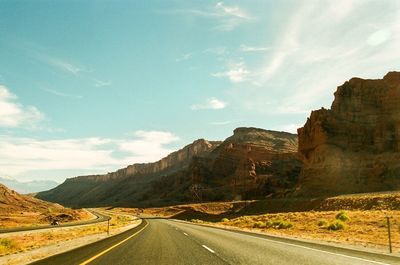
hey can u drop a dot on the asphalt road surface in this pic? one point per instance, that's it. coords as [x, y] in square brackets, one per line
[99, 218]
[161, 241]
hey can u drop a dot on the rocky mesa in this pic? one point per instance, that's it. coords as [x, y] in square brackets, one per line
[252, 163]
[353, 147]
[127, 184]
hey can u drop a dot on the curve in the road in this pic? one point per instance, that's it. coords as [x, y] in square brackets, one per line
[99, 218]
[160, 241]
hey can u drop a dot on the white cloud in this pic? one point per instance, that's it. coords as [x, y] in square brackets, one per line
[64, 65]
[319, 47]
[100, 83]
[226, 17]
[61, 94]
[184, 57]
[19, 156]
[211, 103]
[237, 73]
[232, 11]
[14, 114]
[245, 48]
[379, 37]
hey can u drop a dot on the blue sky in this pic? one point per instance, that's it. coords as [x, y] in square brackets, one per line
[92, 86]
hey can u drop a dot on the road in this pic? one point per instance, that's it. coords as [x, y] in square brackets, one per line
[99, 218]
[161, 241]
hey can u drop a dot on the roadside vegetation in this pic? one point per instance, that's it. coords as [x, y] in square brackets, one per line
[360, 228]
[28, 240]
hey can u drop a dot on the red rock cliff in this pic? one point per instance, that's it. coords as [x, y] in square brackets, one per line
[354, 146]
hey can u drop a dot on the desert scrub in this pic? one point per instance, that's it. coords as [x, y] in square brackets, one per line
[281, 224]
[259, 224]
[342, 216]
[6, 245]
[225, 220]
[322, 222]
[337, 225]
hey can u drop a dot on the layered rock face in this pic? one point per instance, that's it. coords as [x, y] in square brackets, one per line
[175, 160]
[354, 146]
[253, 163]
[124, 185]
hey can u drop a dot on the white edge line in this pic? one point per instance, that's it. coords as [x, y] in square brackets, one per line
[209, 249]
[299, 246]
[315, 249]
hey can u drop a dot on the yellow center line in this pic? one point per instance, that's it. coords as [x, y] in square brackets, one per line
[114, 246]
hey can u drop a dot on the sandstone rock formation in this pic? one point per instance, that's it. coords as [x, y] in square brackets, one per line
[253, 163]
[354, 146]
[124, 185]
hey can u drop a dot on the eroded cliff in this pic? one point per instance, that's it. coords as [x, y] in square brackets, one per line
[354, 146]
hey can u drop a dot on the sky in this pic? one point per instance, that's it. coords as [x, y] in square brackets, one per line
[92, 86]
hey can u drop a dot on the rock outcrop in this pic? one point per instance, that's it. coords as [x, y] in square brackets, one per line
[354, 146]
[124, 185]
[253, 163]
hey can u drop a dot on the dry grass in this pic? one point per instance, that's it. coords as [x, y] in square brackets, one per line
[363, 228]
[31, 218]
[31, 240]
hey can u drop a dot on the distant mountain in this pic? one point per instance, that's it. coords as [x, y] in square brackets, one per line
[250, 164]
[29, 186]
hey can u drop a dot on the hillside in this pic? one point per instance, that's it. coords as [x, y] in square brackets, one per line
[354, 146]
[11, 201]
[17, 210]
[126, 185]
[252, 163]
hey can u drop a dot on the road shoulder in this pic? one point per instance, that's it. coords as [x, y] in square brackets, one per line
[33, 255]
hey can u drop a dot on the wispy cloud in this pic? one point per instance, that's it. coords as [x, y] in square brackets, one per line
[19, 156]
[236, 73]
[75, 69]
[14, 114]
[100, 83]
[211, 103]
[245, 48]
[234, 11]
[184, 57]
[354, 40]
[65, 66]
[61, 94]
[227, 17]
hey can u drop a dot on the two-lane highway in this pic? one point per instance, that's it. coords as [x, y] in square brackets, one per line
[161, 241]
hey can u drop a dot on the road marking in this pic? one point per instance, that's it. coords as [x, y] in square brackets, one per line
[294, 245]
[315, 249]
[328, 252]
[114, 246]
[185, 234]
[209, 249]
